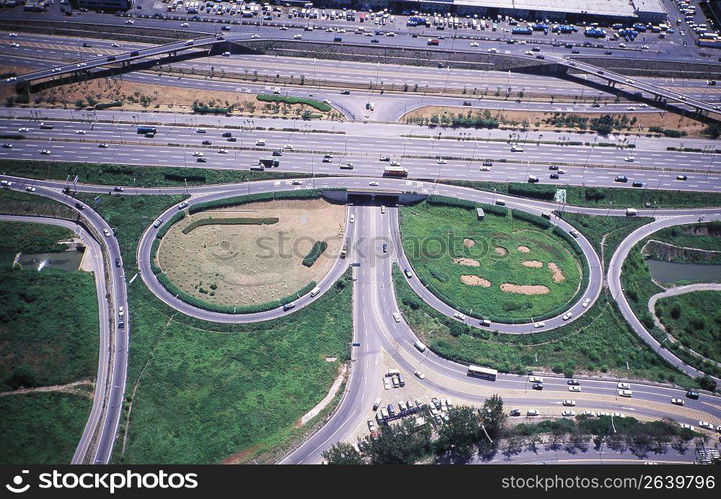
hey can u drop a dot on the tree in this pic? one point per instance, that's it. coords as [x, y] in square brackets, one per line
[402, 443]
[459, 435]
[493, 418]
[342, 453]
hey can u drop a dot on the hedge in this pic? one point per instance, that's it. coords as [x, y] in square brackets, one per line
[318, 248]
[228, 309]
[320, 106]
[536, 191]
[229, 221]
[436, 200]
[166, 226]
[251, 198]
[531, 218]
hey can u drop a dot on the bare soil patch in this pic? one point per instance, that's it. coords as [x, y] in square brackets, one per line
[557, 272]
[524, 249]
[534, 264]
[524, 290]
[468, 262]
[469, 243]
[250, 264]
[474, 280]
[500, 251]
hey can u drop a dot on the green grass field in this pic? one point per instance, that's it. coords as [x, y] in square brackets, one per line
[433, 240]
[128, 175]
[205, 390]
[694, 319]
[41, 428]
[49, 319]
[638, 288]
[23, 203]
[598, 341]
[703, 236]
[605, 233]
[602, 197]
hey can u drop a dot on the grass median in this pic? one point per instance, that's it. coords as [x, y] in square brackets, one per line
[200, 392]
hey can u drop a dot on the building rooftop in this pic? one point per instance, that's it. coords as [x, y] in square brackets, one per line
[616, 8]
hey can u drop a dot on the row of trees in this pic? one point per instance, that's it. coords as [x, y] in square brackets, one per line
[468, 432]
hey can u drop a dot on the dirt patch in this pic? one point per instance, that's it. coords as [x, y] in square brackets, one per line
[524, 290]
[524, 249]
[547, 120]
[500, 251]
[468, 262]
[534, 264]
[469, 243]
[249, 264]
[474, 280]
[557, 272]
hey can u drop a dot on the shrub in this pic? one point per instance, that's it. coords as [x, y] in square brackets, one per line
[229, 221]
[320, 106]
[318, 248]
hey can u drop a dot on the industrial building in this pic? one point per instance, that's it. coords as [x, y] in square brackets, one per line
[602, 11]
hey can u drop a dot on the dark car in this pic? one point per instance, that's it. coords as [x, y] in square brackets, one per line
[86, 44]
[537, 386]
[554, 176]
[638, 184]
[553, 167]
[345, 92]
[540, 56]
[111, 58]
[621, 178]
[232, 139]
[207, 142]
[385, 248]
[573, 382]
[375, 40]
[515, 412]
[575, 51]
[692, 394]
[79, 206]
[118, 189]
[134, 53]
[201, 160]
[467, 103]
[227, 134]
[288, 306]
[607, 52]
[118, 262]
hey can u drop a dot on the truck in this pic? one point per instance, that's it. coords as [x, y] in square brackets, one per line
[147, 129]
[268, 162]
[395, 171]
[258, 167]
[344, 249]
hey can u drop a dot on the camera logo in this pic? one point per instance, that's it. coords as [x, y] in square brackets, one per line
[16, 487]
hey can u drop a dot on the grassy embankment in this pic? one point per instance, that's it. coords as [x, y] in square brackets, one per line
[203, 391]
[136, 176]
[600, 197]
[49, 336]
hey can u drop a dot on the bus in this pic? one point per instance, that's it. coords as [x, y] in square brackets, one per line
[482, 372]
[147, 129]
[395, 171]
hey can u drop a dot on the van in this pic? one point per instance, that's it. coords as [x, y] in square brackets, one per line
[314, 291]
[288, 306]
[631, 212]
[420, 346]
[485, 323]
[393, 372]
[260, 142]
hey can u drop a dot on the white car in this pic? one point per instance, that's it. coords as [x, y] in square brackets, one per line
[493, 50]
[569, 403]
[539, 324]
[80, 132]
[386, 384]
[115, 45]
[197, 154]
[30, 188]
[678, 402]
[623, 386]
[297, 36]
[687, 427]
[396, 316]
[575, 389]
[706, 425]
[45, 152]
[568, 413]
[586, 302]
[182, 205]
[474, 44]
[589, 414]
[420, 375]
[255, 35]
[371, 425]
[535, 379]
[23, 130]
[15, 45]
[106, 232]
[222, 151]
[288, 147]
[185, 25]
[629, 159]
[567, 316]
[625, 393]
[103, 145]
[459, 316]
[373, 183]
[13, 35]
[442, 161]
[129, 21]
[351, 218]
